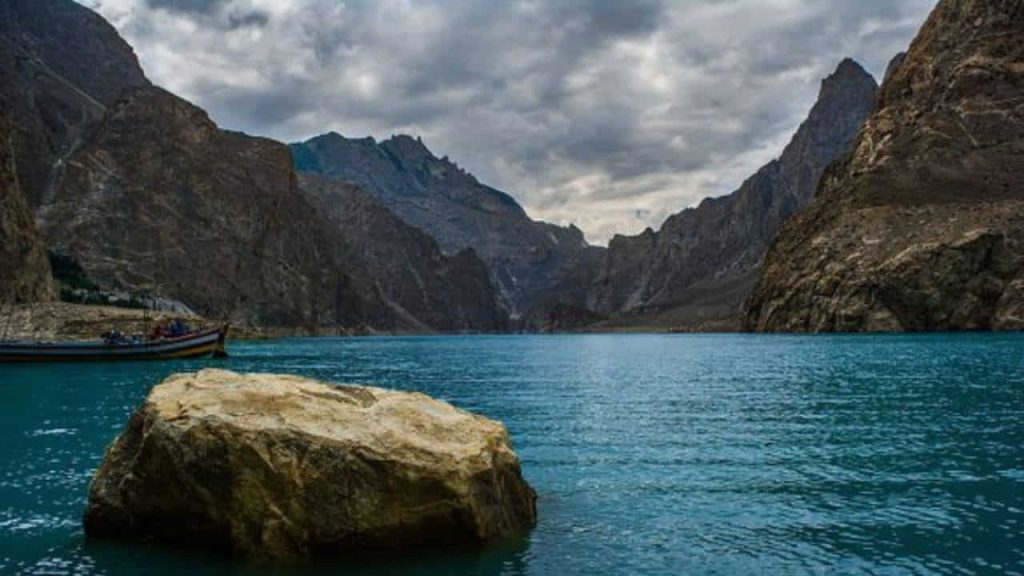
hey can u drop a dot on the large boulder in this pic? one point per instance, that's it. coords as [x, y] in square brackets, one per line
[281, 467]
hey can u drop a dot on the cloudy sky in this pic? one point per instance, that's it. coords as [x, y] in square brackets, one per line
[604, 113]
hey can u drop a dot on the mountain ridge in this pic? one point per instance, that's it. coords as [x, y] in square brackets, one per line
[530, 262]
[699, 266]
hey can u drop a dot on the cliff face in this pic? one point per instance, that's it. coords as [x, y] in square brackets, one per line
[421, 286]
[703, 262]
[530, 262]
[24, 269]
[61, 66]
[921, 225]
[146, 194]
[161, 200]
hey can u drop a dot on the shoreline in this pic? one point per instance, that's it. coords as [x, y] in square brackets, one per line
[53, 321]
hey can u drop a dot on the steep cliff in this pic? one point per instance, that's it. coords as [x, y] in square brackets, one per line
[921, 225]
[61, 66]
[421, 286]
[24, 269]
[702, 263]
[530, 262]
[161, 200]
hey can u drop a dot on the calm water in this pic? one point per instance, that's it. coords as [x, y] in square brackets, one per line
[651, 454]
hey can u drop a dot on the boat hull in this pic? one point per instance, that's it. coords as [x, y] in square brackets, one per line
[202, 344]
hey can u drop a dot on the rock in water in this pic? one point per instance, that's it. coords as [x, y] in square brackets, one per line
[281, 467]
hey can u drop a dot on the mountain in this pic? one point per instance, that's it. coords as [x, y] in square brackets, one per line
[61, 66]
[139, 191]
[423, 287]
[700, 266]
[530, 262]
[161, 200]
[25, 272]
[921, 225]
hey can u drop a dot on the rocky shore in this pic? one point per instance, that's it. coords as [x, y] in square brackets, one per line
[64, 321]
[282, 467]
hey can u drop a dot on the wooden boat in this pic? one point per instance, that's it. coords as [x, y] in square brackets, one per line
[193, 345]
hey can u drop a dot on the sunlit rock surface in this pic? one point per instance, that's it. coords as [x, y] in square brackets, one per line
[281, 466]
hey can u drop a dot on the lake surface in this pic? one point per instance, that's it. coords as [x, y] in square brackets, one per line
[659, 454]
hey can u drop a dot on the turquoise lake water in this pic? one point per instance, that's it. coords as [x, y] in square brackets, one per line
[660, 454]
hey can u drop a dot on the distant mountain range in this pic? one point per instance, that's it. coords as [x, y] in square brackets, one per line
[531, 263]
[916, 224]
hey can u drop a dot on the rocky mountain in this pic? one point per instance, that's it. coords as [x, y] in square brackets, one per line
[921, 225]
[61, 66]
[139, 191]
[702, 263]
[421, 286]
[25, 270]
[159, 199]
[530, 262]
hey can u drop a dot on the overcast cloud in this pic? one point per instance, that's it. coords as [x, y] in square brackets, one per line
[607, 114]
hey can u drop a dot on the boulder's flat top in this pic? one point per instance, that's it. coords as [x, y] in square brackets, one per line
[374, 418]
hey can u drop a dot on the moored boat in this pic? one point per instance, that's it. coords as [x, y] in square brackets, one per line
[197, 344]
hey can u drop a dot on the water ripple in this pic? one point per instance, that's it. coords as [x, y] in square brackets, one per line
[651, 454]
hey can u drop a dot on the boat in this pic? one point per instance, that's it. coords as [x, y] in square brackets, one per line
[201, 343]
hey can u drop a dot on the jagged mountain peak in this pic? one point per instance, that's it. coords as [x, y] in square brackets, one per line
[894, 65]
[849, 76]
[848, 68]
[334, 137]
[408, 146]
[849, 80]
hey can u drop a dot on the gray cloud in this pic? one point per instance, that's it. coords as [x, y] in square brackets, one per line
[215, 13]
[610, 115]
[200, 6]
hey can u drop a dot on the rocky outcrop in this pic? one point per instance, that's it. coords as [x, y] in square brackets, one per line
[24, 268]
[284, 467]
[702, 263]
[921, 225]
[50, 321]
[61, 66]
[421, 285]
[530, 262]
